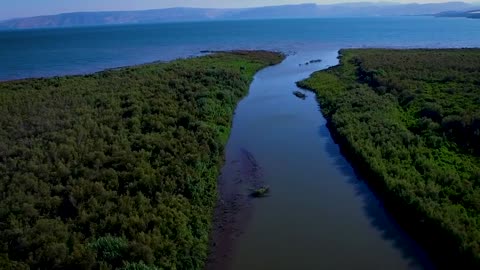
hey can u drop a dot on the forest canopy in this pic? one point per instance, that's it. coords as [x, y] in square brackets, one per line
[409, 120]
[117, 169]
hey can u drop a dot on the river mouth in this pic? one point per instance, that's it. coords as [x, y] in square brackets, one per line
[319, 214]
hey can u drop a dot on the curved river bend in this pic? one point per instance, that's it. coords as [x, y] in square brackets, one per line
[319, 215]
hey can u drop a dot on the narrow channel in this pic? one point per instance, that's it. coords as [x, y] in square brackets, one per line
[319, 214]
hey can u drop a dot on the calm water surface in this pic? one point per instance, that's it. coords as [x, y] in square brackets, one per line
[319, 215]
[34, 53]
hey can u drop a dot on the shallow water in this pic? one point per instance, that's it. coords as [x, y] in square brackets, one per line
[319, 214]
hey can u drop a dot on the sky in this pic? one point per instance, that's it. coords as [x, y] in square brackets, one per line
[26, 8]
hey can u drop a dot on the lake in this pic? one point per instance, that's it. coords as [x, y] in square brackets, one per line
[319, 214]
[36, 53]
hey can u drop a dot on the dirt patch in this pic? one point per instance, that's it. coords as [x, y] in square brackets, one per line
[234, 206]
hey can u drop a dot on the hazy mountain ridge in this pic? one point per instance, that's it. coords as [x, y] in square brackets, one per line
[113, 17]
[205, 14]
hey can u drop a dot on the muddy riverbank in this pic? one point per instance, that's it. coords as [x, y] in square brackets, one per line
[234, 207]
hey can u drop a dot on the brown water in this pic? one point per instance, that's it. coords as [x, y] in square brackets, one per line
[319, 215]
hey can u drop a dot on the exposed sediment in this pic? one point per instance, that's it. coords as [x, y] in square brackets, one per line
[234, 207]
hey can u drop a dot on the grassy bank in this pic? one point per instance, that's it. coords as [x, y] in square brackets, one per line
[409, 121]
[117, 169]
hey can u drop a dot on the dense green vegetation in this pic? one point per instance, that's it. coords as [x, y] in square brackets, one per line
[410, 122]
[117, 169]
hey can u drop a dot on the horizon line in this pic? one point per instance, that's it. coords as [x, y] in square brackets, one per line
[248, 7]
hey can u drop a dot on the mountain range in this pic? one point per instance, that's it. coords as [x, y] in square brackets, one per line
[360, 9]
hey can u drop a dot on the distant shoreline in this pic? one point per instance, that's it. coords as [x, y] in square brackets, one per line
[360, 9]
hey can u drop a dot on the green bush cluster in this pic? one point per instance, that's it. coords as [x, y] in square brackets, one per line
[117, 169]
[410, 121]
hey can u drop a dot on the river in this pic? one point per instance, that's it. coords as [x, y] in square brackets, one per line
[319, 214]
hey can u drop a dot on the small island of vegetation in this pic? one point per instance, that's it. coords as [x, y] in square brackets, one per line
[409, 120]
[118, 169]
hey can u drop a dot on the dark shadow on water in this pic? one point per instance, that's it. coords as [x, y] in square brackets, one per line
[374, 210]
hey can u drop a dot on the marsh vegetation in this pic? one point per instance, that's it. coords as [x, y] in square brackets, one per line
[410, 122]
[117, 169]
